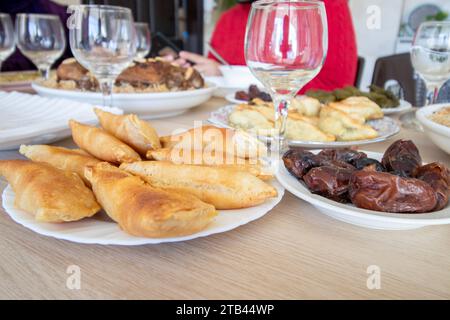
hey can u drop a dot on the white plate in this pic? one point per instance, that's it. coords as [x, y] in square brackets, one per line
[30, 119]
[223, 89]
[96, 231]
[386, 127]
[147, 105]
[231, 98]
[361, 217]
[404, 106]
[438, 133]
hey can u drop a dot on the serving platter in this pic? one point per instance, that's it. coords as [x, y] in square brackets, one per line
[147, 105]
[386, 127]
[361, 217]
[31, 119]
[102, 230]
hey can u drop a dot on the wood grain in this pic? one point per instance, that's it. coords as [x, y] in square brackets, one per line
[293, 252]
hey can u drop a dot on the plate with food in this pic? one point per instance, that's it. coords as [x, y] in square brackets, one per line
[353, 121]
[385, 99]
[246, 96]
[151, 88]
[435, 121]
[391, 191]
[14, 80]
[28, 118]
[125, 185]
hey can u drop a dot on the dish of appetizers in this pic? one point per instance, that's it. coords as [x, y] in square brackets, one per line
[353, 121]
[148, 87]
[435, 121]
[394, 190]
[125, 185]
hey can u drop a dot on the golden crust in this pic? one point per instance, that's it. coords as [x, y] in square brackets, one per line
[50, 194]
[101, 144]
[61, 158]
[221, 187]
[138, 134]
[361, 107]
[143, 210]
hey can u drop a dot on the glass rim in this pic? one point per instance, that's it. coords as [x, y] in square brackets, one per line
[105, 7]
[39, 15]
[310, 4]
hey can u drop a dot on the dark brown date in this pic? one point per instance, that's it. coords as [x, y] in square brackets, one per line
[330, 182]
[402, 158]
[437, 176]
[386, 192]
[346, 155]
[369, 164]
[298, 162]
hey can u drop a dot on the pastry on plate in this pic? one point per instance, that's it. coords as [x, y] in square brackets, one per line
[221, 187]
[211, 138]
[305, 129]
[101, 144]
[251, 121]
[143, 210]
[137, 133]
[61, 158]
[343, 126]
[214, 159]
[49, 193]
[307, 106]
[360, 106]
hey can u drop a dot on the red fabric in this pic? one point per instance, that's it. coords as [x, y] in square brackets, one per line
[340, 65]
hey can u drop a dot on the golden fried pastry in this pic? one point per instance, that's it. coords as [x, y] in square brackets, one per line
[101, 144]
[307, 106]
[211, 138]
[305, 129]
[61, 158]
[50, 194]
[250, 120]
[223, 188]
[138, 134]
[213, 159]
[361, 107]
[345, 128]
[143, 210]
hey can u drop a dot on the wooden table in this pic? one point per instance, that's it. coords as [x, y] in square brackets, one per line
[293, 252]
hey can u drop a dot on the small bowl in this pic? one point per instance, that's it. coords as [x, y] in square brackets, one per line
[239, 77]
[438, 133]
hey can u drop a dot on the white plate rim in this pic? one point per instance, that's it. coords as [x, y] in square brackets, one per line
[37, 227]
[291, 184]
[422, 116]
[404, 106]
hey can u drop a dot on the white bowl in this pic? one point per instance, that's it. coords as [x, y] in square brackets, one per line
[438, 133]
[239, 77]
[147, 105]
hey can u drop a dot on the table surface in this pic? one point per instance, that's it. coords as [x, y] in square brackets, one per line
[293, 252]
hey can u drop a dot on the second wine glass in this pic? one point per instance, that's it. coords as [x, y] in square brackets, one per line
[103, 40]
[143, 37]
[285, 48]
[6, 37]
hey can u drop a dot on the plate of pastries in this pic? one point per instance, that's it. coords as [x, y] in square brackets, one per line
[125, 185]
[394, 190]
[152, 88]
[310, 123]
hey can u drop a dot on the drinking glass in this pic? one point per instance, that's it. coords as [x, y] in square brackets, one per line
[285, 48]
[103, 40]
[6, 37]
[430, 56]
[143, 40]
[40, 38]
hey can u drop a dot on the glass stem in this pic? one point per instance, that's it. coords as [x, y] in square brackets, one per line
[281, 105]
[432, 93]
[106, 85]
[45, 72]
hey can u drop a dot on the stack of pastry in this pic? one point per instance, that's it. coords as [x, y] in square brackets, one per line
[308, 120]
[176, 192]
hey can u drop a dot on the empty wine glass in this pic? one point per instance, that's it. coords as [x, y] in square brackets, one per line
[103, 40]
[6, 37]
[143, 40]
[285, 48]
[430, 56]
[40, 38]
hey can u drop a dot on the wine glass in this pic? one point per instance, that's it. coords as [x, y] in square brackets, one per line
[103, 40]
[6, 37]
[143, 38]
[285, 47]
[40, 38]
[430, 56]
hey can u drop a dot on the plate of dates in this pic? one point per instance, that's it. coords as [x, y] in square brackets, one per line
[390, 191]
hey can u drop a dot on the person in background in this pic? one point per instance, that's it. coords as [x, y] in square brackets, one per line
[228, 40]
[17, 61]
